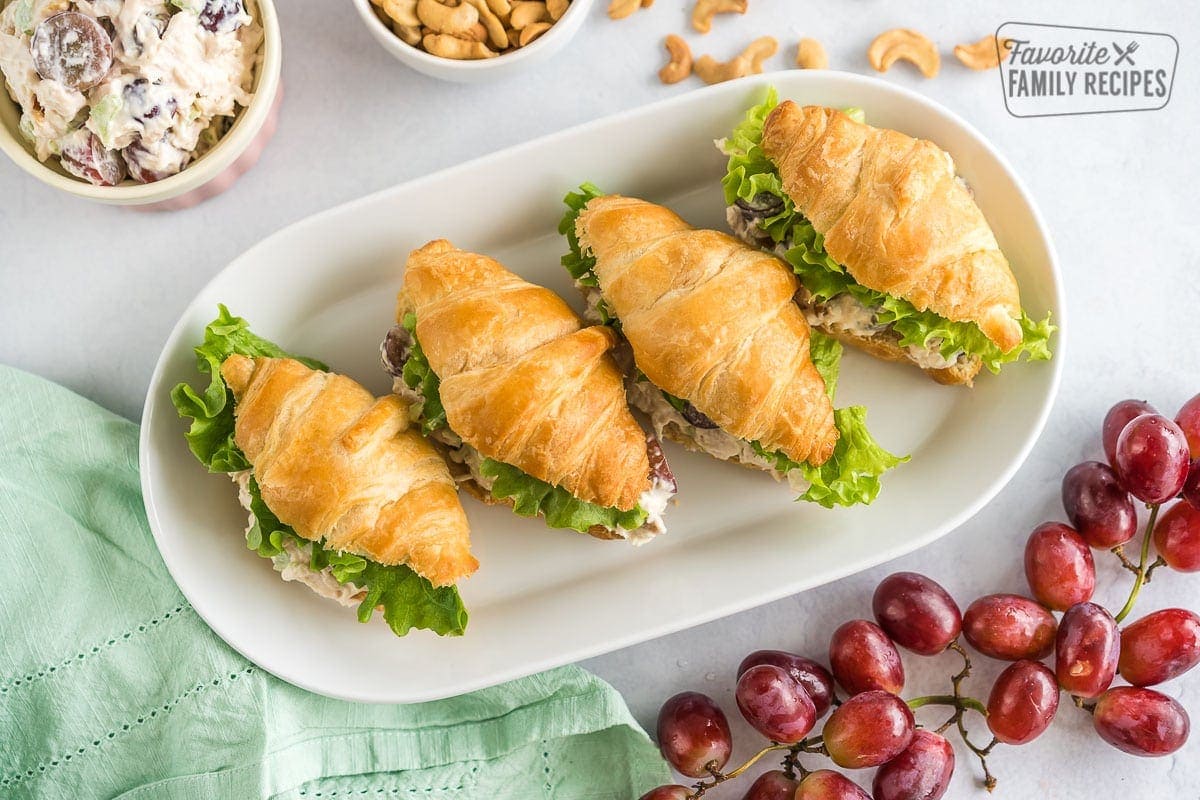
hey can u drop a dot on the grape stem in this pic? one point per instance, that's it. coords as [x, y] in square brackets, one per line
[1119, 552]
[719, 777]
[1143, 568]
[961, 704]
[791, 762]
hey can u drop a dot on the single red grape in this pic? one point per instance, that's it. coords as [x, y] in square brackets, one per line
[863, 658]
[1059, 566]
[815, 679]
[1188, 419]
[867, 730]
[1115, 421]
[82, 154]
[1141, 722]
[1177, 537]
[825, 784]
[1152, 458]
[1097, 506]
[672, 792]
[1159, 647]
[1023, 702]
[72, 49]
[1191, 487]
[1086, 650]
[917, 613]
[772, 785]
[775, 705]
[692, 733]
[1009, 627]
[221, 16]
[921, 772]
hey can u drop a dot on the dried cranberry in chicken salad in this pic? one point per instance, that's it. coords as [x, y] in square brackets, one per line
[136, 88]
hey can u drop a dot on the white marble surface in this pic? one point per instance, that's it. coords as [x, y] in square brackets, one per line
[88, 294]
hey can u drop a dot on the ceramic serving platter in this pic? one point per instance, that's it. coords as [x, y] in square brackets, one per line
[325, 287]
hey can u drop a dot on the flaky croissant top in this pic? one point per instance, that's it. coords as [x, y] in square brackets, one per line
[895, 215]
[522, 381]
[711, 320]
[336, 463]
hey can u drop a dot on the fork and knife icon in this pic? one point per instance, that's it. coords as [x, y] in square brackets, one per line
[1124, 55]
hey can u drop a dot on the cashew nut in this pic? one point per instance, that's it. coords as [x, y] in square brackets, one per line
[455, 20]
[526, 13]
[501, 8]
[987, 53]
[447, 46]
[496, 33]
[680, 65]
[531, 32]
[904, 44]
[702, 14]
[810, 54]
[760, 50]
[477, 33]
[620, 9]
[467, 29]
[403, 12]
[748, 62]
[409, 34]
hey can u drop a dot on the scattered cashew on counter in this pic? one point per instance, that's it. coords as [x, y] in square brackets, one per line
[810, 54]
[748, 62]
[987, 53]
[705, 10]
[903, 44]
[471, 29]
[680, 65]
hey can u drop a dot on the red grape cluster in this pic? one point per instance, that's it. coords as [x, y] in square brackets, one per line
[782, 695]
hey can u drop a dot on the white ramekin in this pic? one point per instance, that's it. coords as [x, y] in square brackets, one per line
[206, 177]
[485, 69]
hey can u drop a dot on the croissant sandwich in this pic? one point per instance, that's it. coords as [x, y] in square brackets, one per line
[892, 253]
[722, 359]
[342, 495]
[525, 400]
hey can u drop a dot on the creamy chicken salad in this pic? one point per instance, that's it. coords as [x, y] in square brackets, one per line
[295, 562]
[127, 87]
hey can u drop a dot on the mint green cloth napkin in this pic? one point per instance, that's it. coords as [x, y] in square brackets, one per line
[111, 686]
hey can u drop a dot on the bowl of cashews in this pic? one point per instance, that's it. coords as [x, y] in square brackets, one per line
[472, 40]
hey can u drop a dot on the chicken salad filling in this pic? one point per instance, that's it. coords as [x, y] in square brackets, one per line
[294, 562]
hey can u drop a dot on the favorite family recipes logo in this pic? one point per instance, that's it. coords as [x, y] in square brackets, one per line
[1050, 70]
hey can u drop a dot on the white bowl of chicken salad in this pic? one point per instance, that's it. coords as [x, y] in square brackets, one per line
[150, 103]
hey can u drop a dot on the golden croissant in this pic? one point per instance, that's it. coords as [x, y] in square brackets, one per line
[534, 406]
[711, 323]
[340, 466]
